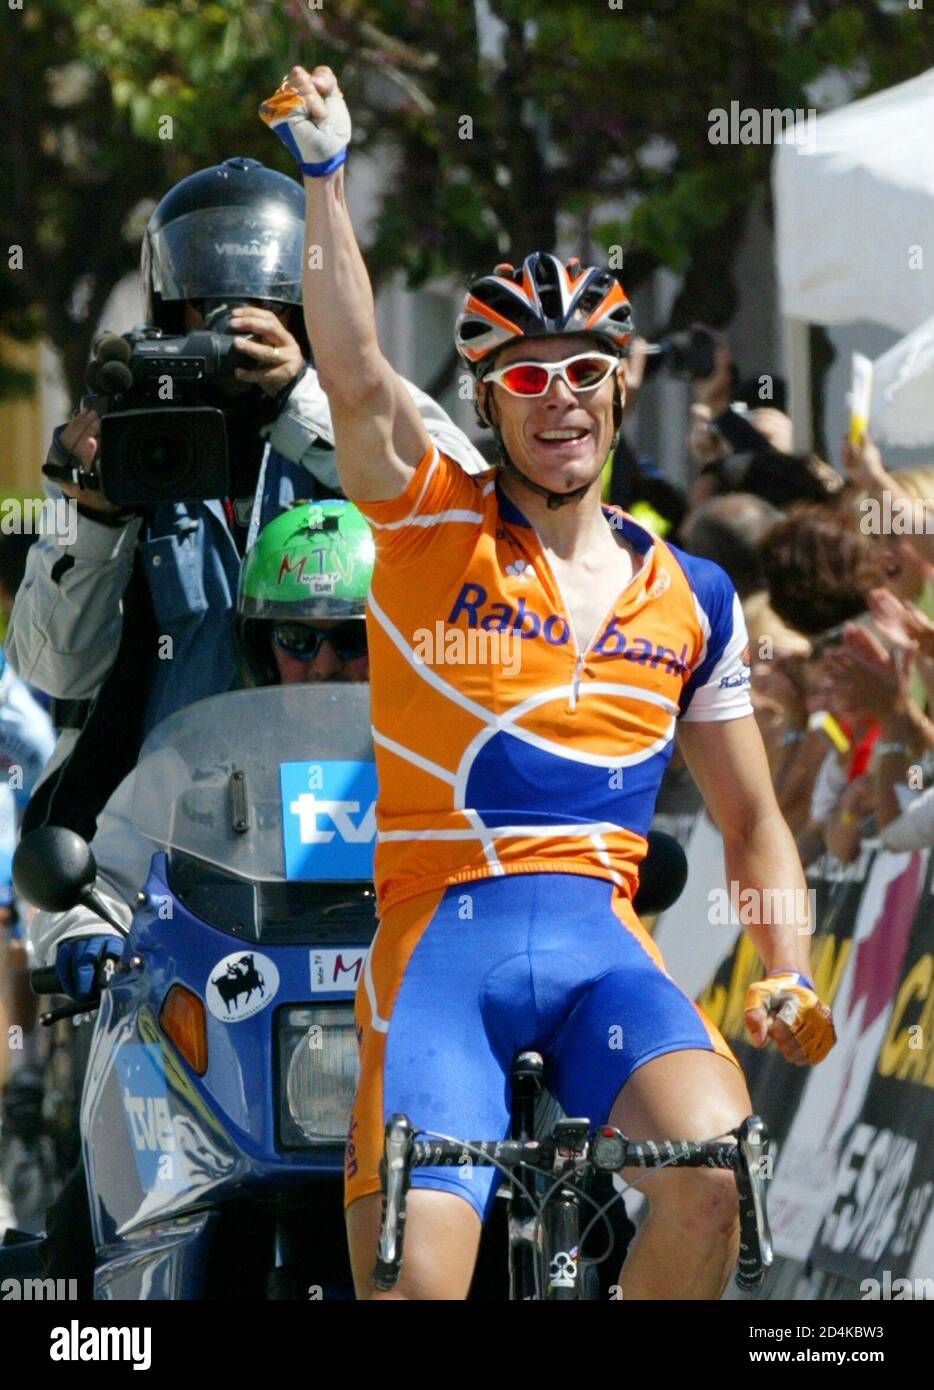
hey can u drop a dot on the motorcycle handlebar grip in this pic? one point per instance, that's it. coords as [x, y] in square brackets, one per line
[45, 980]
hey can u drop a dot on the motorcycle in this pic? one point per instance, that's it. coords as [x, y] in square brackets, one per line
[223, 1064]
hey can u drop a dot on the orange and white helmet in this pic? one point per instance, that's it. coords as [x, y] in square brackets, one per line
[542, 298]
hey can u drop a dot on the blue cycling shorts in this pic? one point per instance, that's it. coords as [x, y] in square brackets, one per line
[457, 981]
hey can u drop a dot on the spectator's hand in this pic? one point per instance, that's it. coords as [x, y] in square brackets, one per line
[864, 677]
[715, 390]
[857, 799]
[901, 623]
[824, 474]
[863, 463]
[635, 372]
[278, 355]
[704, 443]
[775, 426]
[81, 437]
[843, 832]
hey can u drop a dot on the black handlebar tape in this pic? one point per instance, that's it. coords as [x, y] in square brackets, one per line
[680, 1153]
[645, 1154]
[432, 1153]
[749, 1271]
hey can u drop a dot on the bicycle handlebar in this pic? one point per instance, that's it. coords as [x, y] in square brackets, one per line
[541, 1153]
[605, 1150]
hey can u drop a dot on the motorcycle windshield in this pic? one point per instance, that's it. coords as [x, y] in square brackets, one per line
[272, 785]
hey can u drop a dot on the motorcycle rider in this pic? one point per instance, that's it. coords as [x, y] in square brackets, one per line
[129, 623]
[286, 632]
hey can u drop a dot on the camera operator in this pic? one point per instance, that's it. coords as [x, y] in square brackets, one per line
[739, 444]
[284, 634]
[131, 622]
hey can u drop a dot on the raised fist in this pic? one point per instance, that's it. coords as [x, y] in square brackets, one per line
[310, 117]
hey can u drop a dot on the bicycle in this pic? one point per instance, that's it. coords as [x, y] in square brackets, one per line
[547, 1178]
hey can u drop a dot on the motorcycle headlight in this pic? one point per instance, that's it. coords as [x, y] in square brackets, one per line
[317, 1071]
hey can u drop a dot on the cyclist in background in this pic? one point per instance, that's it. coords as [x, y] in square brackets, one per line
[514, 798]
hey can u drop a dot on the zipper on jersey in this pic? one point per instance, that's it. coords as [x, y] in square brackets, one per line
[580, 655]
[575, 682]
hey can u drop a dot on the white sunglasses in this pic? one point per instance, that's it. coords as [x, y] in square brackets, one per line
[584, 372]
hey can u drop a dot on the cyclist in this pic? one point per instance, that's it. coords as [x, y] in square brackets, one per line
[513, 803]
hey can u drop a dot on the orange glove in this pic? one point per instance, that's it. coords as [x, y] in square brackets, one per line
[785, 1006]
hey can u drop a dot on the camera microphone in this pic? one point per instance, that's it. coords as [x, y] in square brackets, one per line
[108, 372]
[111, 347]
[112, 377]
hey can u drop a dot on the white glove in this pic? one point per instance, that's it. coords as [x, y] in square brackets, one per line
[319, 146]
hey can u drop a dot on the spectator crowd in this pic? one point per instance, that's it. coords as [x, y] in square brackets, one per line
[835, 571]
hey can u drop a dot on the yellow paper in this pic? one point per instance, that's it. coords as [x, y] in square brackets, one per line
[860, 393]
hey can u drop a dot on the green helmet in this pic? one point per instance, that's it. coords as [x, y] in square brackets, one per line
[313, 561]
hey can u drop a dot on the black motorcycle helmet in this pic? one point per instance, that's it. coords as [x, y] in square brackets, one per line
[227, 234]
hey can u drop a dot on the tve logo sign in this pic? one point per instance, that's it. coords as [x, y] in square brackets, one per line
[329, 819]
[141, 1070]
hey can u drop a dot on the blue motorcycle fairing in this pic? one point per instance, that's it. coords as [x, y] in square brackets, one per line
[161, 1142]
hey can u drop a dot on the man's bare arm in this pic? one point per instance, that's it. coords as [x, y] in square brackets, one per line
[727, 761]
[379, 433]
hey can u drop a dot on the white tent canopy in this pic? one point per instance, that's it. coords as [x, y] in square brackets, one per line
[855, 211]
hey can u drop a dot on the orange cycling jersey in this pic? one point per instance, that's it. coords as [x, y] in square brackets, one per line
[501, 747]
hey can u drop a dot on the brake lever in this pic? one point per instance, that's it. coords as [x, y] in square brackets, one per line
[69, 1011]
[752, 1139]
[89, 1006]
[395, 1172]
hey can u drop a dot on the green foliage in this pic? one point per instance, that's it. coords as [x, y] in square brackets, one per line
[15, 383]
[106, 103]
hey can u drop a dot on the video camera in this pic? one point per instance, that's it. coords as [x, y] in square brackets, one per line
[689, 354]
[159, 441]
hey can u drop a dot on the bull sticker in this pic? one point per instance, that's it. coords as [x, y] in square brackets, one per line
[240, 985]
